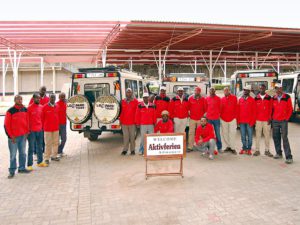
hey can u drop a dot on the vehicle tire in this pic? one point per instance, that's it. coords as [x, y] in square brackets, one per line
[79, 109]
[107, 109]
[93, 137]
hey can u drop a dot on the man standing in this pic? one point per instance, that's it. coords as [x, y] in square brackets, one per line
[282, 111]
[228, 120]
[16, 125]
[161, 102]
[179, 111]
[127, 121]
[213, 114]
[35, 137]
[264, 105]
[197, 108]
[246, 119]
[62, 115]
[44, 99]
[145, 119]
[165, 125]
[205, 139]
[51, 129]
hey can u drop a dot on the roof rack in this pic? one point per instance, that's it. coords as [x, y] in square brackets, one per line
[104, 69]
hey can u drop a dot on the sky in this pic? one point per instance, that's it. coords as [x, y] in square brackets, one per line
[255, 12]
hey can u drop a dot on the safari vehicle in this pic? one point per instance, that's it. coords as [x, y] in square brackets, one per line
[291, 85]
[94, 105]
[254, 78]
[188, 81]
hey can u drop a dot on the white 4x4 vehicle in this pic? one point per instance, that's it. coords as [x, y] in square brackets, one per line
[96, 93]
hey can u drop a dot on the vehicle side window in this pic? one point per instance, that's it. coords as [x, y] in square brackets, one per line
[141, 89]
[232, 86]
[133, 85]
[287, 85]
[75, 88]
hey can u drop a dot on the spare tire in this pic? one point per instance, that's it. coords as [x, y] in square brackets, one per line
[107, 109]
[79, 109]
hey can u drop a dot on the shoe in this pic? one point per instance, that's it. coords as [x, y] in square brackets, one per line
[227, 149]
[30, 168]
[10, 175]
[256, 153]
[211, 157]
[234, 151]
[61, 155]
[242, 152]
[141, 153]
[47, 162]
[268, 153]
[55, 159]
[42, 164]
[215, 152]
[289, 161]
[249, 152]
[277, 156]
[24, 171]
[132, 153]
[189, 150]
[124, 152]
[220, 151]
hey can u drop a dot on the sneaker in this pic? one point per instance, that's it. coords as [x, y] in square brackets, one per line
[43, 164]
[268, 153]
[189, 150]
[215, 152]
[220, 151]
[289, 161]
[132, 153]
[24, 171]
[47, 162]
[10, 175]
[242, 152]
[211, 157]
[249, 152]
[277, 156]
[234, 151]
[256, 153]
[124, 152]
[61, 155]
[55, 159]
[227, 149]
[141, 153]
[29, 168]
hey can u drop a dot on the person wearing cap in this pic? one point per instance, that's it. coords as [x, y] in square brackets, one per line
[213, 114]
[205, 139]
[165, 125]
[282, 111]
[264, 105]
[246, 115]
[228, 120]
[145, 118]
[179, 111]
[197, 108]
[127, 121]
[161, 102]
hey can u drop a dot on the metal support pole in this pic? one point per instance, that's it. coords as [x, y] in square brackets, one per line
[164, 68]
[130, 65]
[42, 72]
[15, 62]
[225, 71]
[278, 66]
[159, 66]
[53, 79]
[252, 65]
[104, 51]
[195, 66]
[256, 60]
[297, 62]
[210, 67]
[4, 71]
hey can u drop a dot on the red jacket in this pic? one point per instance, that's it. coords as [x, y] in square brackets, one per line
[283, 109]
[229, 108]
[62, 112]
[16, 121]
[263, 107]
[213, 107]
[144, 115]
[35, 117]
[197, 107]
[206, 133]
[50, 118]
[43, 101]
[162, 103]
[246, 112]
[178, 109]
[128, 110]
[162, 127]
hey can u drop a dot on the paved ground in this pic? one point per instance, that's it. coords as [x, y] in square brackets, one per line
[95, 185]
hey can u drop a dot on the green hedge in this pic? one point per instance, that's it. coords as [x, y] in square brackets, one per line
[220, 86]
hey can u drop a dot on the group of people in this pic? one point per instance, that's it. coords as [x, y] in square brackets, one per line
[212, 120]
[43, 124]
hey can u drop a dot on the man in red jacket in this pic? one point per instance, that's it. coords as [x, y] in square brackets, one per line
[179, 111]
[197, 108]
[282, 111]
[127, 121]
[165, 125]
[264, 105]
[44, 98]
[205, 139]
[35, 137]
[51, 129]
[228, 120]
[62, 115]
[213, 114]
[246, 119]
[145, 118]
[161, 102]
[16, 125]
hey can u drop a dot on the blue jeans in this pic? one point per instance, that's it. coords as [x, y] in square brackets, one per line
[20, 146]
[246, 136]
[217, 124]
[35, 140]
[63, 137]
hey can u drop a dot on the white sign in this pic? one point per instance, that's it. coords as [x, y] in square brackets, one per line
[92, 75]
[185, 79]
[165, 145]
[256, 74]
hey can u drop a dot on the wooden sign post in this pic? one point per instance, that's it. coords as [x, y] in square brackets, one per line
[168, 146]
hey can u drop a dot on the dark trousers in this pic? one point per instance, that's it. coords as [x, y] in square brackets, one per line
[35, 140]
[63, 137]
[280, 131]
